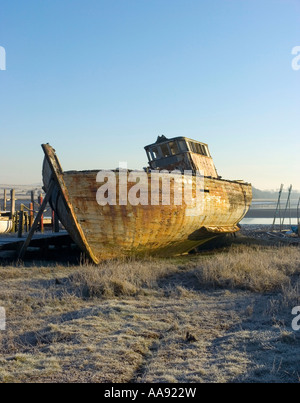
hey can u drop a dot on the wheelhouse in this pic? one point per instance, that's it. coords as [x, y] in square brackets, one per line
[180, 153]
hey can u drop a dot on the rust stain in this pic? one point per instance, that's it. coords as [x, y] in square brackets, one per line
[105, 232]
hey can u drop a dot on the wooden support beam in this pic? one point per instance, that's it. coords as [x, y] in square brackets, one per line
[56, 223]
[12, 202]
[26, 221]
[5, 200]
[42, 216]
[21, 222]
[31, 215]
[36, 221]
[32, 199]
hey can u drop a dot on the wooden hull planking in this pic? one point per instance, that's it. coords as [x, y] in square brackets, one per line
[105, 232]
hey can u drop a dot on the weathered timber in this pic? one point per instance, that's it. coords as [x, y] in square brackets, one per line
[37, 219]
[5, 200]
[12, 202]
[111, 231]
[31, 215]
[32, 199]
[21, 223]
[55, 222]
[40, 200]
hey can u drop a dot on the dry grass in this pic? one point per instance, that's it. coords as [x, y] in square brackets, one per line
[259, 269]
[118, 278]
[128, 321]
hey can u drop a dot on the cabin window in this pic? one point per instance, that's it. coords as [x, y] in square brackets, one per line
[174, 148]
[193, 147]
[155, 153]
[165, 150]
[198, 148]
[182, 145]
[204, 150]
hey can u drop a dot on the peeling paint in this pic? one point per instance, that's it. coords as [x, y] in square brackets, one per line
[105, 232]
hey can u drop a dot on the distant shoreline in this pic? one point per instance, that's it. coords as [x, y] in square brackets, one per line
[269, 213]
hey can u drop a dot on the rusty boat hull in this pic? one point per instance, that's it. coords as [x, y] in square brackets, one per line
[113, 231]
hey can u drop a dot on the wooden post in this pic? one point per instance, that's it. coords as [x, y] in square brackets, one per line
[52, 220]
[37, 220]
[32, 199]
[5, 200]
[12, 202]
[26, 221]
[55, 222]
[42, 216]
[31, 215]
[21, 222]
[13, 215]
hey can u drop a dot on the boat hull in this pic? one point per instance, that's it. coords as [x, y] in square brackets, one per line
[6, 225]
[113, 231]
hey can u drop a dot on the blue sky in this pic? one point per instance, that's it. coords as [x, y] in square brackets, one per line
[99, 79]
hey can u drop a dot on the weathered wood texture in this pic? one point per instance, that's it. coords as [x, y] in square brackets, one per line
[51, 186]
[188, 160]
[105, 232]
[5, 200]
[12, 202]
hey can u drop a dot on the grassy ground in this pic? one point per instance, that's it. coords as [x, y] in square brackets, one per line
[218, 316]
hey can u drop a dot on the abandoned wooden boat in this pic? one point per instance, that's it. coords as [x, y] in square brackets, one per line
[131, 229]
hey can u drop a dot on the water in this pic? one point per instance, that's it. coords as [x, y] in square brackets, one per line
[266, 221]
[273, 204]
[263, 213]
